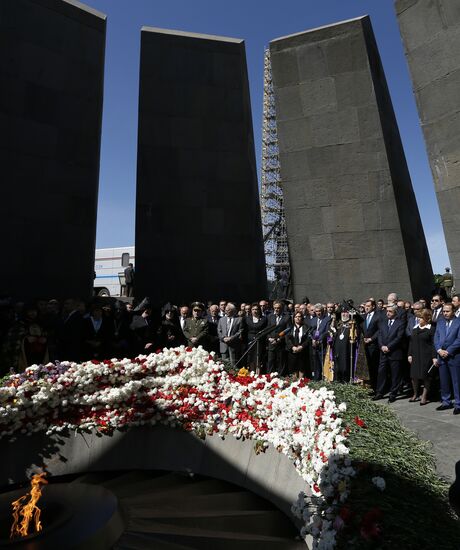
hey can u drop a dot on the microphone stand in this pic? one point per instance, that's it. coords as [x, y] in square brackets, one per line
[261, 334]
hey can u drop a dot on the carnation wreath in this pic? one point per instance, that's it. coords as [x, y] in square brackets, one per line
[189, 388]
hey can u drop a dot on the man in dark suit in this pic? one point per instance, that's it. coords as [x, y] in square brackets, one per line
[391, 344]
[97, 334]
[280, 322]
[230, 331]
[129, 280]
[401, 313]
[447, 344]
[320, 326]
[370, 338]
[213, 322]
[436, 308]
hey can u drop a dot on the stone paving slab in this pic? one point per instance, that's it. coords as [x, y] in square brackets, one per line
[441, 428]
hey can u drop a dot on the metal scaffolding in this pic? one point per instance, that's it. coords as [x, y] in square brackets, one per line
[272, 207]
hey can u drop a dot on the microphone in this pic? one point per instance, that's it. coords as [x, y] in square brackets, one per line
[284, 332]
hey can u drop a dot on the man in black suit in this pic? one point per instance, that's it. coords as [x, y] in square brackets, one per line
[370, 337]
[276, 343]
[391, 343]
[97, 334]
[320, 326]
[230, 331]
[129, 280]
[436, 308]
[213, 321]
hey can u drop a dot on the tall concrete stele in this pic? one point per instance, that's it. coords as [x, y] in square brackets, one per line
[198, 228]
[430, 30]
[353, 224]
[51, 82]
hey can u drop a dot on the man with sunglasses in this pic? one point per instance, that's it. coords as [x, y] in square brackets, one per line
[436, 308]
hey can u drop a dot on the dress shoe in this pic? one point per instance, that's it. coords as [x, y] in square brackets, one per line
[443, 407]
[377, 397]
[424, 403]
[456, 411]
[391, 399]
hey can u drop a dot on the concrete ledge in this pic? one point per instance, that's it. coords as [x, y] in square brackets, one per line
[271, 474]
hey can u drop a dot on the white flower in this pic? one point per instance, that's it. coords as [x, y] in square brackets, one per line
[379, 482]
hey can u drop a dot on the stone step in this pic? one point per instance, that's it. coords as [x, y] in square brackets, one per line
[240, 500]
[95, 478]
[181, 491]
[203, 539]
[263, 522]
[148, 485]
[127, 479]
[138, 541]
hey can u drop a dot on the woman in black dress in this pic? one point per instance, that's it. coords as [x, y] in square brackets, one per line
[255, 323]
[422, 355]
[297, 343]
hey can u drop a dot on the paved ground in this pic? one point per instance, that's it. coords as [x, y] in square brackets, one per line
[442, 428]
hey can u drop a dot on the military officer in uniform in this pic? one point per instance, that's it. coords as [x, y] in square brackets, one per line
[196, 328]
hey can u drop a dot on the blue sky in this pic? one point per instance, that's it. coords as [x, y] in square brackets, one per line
[257, 23]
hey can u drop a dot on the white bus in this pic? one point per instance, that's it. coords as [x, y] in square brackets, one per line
[109, 269]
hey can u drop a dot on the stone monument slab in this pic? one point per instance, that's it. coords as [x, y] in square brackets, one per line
[198, 227]
[353, 225]
[51, 74]
[431, 36]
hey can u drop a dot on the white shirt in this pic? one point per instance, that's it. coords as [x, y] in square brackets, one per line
[96, 323]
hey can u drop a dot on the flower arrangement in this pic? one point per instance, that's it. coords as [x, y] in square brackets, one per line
[189, 389]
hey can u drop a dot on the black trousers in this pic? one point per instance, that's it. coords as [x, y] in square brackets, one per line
[276, 361]
[395, 367]
[372, 353]
[319, 354]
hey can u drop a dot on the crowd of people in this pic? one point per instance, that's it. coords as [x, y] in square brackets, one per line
[392, 344]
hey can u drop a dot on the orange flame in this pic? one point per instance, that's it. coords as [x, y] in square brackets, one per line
[24, 513]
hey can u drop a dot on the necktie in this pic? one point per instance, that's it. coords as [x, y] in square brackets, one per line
[318, 322]
[447, 327]
[296, 336]
[229, 325]
[277, 319]
[368, 320]
[390, 322]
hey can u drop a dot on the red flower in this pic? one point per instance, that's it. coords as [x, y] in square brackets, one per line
[360, 422]
[346, 514]
[189, 349]
[371, 528]
[295, 390]
[95, 362]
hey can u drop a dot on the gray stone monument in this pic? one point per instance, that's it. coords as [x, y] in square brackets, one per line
[353, 224]
[198, 228]
[431, 35]
[51, 75]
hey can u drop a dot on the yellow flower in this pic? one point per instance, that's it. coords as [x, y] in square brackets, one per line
[243, 372]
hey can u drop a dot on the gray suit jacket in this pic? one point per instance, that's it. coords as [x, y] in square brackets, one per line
[236, 333]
